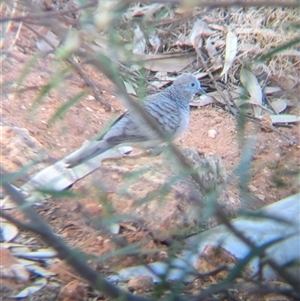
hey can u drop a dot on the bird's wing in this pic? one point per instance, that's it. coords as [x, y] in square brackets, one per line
[127, 129]
[165, 111]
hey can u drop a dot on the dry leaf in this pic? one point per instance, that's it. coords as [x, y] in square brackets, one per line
[183, 11]
[202, 101]
[43, 46]
[129, 88]
[251, 84]
[138, 11]
[183, 40]
[35, 287]
[271, 90]
[195, 34]
[231, 50]
[169, 62]
[163, 79]
[139, 41]
[199, 30]
[155, 42]
[284, 118]
[37, 255]
[8, 231]
[211, 49]
[278, 105]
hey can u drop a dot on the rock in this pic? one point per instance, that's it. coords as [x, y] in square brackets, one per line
[143, 283]
[19, 149]
[212, 133]
[73, 291]
[214, 257]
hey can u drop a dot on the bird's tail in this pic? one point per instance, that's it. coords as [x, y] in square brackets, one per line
[86, 152]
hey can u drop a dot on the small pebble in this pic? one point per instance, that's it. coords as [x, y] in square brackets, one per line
[212, 133]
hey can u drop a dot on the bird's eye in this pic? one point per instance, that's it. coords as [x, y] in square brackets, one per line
[192, 84]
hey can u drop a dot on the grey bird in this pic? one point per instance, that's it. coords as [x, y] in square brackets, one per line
[170, 108]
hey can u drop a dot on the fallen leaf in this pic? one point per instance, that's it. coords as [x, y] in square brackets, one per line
[251, 84]
[271, 90]
[8, 231]
[155, 42]
[43, 46]
[129, 88]
[28, 291]
[38, 255]
[278, 105]
[139, 41]
[183, 40]
[230, 53]
[138, 11]
[211, 49]
[170, 62]
[37, 270]
[196, 33]
[202, 101]
[284, 118]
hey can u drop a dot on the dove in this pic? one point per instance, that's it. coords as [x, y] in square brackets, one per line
[169, 108]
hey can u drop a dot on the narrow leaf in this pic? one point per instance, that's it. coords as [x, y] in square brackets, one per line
[251, 84]
[231, 50]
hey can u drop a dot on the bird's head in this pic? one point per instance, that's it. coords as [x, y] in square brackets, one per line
[186, 86]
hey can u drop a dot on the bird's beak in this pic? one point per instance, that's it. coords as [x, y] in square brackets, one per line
[200, 90]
